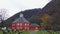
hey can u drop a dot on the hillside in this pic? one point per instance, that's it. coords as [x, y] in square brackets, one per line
[53, 9]
[27, 14]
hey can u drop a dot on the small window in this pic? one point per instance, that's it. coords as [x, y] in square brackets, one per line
[25, 27]
[13, 27]
[28, 24]
[13, 24]
[20, 27]
[17, 27]
[28, 28]
[36, 27]
[17, 23]
[25, 24]
[20, 24]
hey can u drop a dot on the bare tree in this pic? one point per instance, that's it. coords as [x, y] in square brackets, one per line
[2, 14]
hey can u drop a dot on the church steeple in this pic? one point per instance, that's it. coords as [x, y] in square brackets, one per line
[21, 15]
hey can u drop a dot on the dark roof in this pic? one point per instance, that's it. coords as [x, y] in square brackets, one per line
[21, 19]
[34, 24]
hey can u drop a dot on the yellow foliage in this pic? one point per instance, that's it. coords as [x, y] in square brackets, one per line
[44, 20]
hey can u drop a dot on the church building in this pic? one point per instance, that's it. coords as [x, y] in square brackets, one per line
[22, 24]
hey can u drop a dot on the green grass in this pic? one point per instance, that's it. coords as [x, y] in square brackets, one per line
[42, 32]
[39, 32]
[29, 32]
[26, 32]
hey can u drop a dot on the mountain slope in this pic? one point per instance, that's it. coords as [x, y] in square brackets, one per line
[27, 14]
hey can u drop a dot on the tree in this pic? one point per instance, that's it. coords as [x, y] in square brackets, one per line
[46, 21]
[2, 16]
[35, 19]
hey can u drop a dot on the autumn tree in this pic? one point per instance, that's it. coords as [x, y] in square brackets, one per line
[46, 21]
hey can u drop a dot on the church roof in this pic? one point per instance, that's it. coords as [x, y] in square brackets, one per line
[21, 19]
[34, 24]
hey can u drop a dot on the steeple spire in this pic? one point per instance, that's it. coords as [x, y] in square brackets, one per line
[21, 15]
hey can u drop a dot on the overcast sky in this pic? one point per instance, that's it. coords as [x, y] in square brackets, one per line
[15, 6]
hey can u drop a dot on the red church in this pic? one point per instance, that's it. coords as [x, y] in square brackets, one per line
[34, 26]
[23, 24]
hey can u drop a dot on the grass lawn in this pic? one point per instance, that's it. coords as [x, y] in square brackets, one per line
[39, 32]
[30, 32]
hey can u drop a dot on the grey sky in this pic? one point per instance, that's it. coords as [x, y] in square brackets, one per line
[15, 6]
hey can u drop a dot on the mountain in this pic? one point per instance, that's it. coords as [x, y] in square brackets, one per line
[32, 13]
[53, 9]
[27, 14]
